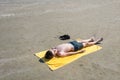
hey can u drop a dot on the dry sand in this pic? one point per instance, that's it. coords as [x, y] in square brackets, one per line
[30, 27]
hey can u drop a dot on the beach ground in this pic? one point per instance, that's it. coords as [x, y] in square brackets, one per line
[29, 28]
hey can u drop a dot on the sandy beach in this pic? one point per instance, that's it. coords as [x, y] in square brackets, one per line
[30, 26]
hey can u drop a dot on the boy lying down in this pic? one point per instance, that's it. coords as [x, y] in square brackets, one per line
[71, 48]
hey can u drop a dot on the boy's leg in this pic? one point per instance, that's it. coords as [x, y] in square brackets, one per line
[92, 43]
[87, 40]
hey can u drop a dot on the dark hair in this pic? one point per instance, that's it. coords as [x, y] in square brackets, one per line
[49, 55]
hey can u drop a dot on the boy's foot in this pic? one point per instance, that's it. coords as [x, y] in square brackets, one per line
[99, 40]
[92, 39]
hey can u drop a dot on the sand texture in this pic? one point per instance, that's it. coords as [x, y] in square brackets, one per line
[30, 26]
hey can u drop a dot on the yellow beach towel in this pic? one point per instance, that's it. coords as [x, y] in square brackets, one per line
[58, 62]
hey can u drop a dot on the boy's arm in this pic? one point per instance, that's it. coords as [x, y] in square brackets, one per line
[71, 53]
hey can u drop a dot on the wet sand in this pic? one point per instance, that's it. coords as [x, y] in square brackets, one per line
[27, 28]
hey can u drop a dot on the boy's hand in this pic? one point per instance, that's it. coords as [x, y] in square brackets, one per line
[81, 51]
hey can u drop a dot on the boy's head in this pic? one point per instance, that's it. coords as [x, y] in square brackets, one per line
[49, 55]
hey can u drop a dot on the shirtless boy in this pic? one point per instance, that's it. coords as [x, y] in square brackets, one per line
[71, 48]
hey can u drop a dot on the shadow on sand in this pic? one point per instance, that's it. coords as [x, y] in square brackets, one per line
[43, 60]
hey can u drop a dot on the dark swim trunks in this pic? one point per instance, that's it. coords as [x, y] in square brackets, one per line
[77, 45]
